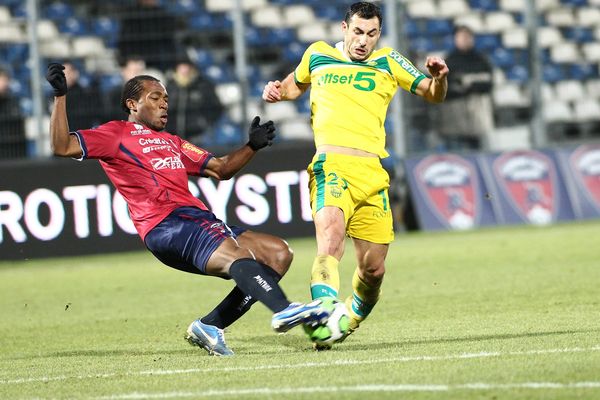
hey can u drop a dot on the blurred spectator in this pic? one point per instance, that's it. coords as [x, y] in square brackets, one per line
[12, 131]
[150, 32]
[131, 67]
[194, 106]
[467, 115]
[84, 108]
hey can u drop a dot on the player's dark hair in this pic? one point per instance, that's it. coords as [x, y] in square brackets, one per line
[364, 9]
[133, 89]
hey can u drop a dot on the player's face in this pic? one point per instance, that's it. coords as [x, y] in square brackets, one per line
[152, 106]
[360, 37]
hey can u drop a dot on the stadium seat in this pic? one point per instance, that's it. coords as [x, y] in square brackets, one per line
[484, 5]
[183, 7]
[298, 15]
[201, 57]
[73, 26]
[47, 30]
[512, 6]
[487, 42]
[592, 88]
[88, 46]
[502, 57]
[5, 16]
[281, 111]
[582, 71]
[558, 111]
[588, 16]
[548, 92]
[569, 90]
[509, 95]
[472, 20]
[58, 10]
[518, 73]
[229, 93]
[453, 8]
[566, 52]
[562, 17]
[312, 32]
[579, 34]
[297, 129]
[254, 107]
[498, 21]
[545, 5]
[586, 110]
[552, 73]
[438, 26]
[293, 52]
[549, 36]
[515, 38]
[59, 48]
[422, 9]
[267, 16]
[226, 132]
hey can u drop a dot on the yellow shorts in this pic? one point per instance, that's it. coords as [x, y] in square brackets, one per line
[359, 187]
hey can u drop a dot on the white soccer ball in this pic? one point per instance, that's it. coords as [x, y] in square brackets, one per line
[336, 326]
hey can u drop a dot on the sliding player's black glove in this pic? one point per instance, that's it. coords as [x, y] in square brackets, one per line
[261, 135]
[57, 79]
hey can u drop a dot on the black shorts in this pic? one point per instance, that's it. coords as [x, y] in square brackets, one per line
[187, 237]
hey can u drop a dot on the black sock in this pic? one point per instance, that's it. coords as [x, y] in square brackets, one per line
[234, 305]
[254, 279]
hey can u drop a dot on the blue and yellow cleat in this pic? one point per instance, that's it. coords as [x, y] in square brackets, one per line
[209, 337]
[311, 314]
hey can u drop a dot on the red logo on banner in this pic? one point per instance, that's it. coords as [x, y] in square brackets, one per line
[449, 185]
[528, 178]
[585, 164]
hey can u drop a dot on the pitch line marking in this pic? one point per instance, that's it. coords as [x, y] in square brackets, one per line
[324, 364]
[353, 389]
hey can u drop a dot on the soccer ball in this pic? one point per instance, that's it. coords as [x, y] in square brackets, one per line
[336, 326]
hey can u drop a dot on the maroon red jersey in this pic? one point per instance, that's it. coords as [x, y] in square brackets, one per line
[150, 169]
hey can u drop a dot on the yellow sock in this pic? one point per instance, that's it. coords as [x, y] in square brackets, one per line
[362, 301]
[324, 278]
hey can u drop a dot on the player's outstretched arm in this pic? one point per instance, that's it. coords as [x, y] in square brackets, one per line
[434, 89]
[62, 143]
[287, 89]
[260, 136]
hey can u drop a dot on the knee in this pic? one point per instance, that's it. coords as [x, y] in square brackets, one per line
[282, 258]
[373, 274]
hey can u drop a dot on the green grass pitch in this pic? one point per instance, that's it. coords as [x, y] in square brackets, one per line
[504, 313]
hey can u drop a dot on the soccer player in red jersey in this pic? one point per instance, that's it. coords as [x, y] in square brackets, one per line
[150, 168]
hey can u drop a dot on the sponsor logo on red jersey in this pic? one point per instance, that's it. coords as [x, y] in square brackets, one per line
[192, 152]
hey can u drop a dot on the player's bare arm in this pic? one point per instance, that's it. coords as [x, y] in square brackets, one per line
[225, 167]
[288, 89]
[62, 143]
[434, 89]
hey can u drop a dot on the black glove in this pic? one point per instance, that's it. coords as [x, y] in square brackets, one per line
[57, 79]
[261, 135]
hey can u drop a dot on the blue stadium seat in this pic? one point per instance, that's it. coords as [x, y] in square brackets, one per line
[107, 82]
[73, 26]
[410, 27]
[226, 132]
[183, 7]
[293, 52]
[210, 21]
[518, 73]
[581, 72]
[553, 73]
[422, 44]
[202, 58]
[16, 53]
[487, 42]
[58, 11]
[485, 5]
[281, 36]
[502, 57]
[575, 3]
[439, 26]
[579, 34]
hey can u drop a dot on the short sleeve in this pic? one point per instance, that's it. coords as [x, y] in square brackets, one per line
[406, 74]
[101, 142]
[302, 71]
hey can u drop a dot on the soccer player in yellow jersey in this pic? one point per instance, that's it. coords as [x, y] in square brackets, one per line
[352, 84]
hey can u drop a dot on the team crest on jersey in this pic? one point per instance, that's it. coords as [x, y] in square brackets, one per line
[528, 180]
[192, 152]
[449, 184]
[585, 164]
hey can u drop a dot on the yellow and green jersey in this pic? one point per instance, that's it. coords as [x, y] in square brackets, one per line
[349, 99]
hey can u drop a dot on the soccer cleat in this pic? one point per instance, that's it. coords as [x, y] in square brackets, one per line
[311, 314]
[209, 337]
